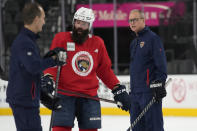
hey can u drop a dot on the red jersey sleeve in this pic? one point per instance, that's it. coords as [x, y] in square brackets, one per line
[104, 71]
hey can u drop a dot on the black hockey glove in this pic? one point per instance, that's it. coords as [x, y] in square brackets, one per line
[46, 97]
[50, 101]
[47, 83]
[53, 52]
[60, 54]
[159, 90]
[122, 97]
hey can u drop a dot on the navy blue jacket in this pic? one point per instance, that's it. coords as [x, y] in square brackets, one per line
[25, 70]
[148, 61]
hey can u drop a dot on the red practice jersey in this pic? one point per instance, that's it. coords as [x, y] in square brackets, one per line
[84, 64]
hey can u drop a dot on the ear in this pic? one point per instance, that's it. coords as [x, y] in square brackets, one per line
[34, 21]
[37, 17]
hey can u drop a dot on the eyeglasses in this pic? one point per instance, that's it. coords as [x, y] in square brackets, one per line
[134, 20]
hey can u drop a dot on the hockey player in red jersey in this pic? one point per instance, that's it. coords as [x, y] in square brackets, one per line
[87, 59]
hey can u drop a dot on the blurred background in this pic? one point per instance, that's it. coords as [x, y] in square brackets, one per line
[173, 20]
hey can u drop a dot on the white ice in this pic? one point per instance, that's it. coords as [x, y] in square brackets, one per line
[112, 123]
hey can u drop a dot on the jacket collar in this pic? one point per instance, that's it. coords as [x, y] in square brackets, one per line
[31, 34]
[146, 28]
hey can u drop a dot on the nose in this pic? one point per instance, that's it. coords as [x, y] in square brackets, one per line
[79, 25]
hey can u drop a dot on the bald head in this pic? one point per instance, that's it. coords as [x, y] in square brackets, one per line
[141, 13]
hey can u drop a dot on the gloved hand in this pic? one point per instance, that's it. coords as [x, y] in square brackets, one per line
[159, 90]
[122, 97]
[50, 101]
[47, 89]
[58, 54]
[47, 83]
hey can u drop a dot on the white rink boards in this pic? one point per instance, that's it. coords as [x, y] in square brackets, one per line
[180, 100]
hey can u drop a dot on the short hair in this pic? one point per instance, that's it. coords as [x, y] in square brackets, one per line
[139, 11]
[30, 11]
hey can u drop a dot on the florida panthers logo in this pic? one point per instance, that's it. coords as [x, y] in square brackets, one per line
[82, 63]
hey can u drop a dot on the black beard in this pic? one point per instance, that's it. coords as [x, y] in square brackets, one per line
[79, 38]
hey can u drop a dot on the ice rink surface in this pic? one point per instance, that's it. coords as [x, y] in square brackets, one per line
[113, 123]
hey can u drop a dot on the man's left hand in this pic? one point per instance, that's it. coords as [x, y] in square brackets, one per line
[122, 97]
[47, 98]
[159, 90]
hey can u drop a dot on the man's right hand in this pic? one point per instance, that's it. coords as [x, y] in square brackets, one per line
[58, 54]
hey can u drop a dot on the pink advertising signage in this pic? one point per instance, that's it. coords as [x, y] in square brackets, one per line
[105, 15]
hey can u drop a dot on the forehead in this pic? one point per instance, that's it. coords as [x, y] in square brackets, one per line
[134, 14]
[80, 21]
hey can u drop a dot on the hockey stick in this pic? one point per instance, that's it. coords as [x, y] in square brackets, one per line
[55, 94]
[146, 109]
[87, 96]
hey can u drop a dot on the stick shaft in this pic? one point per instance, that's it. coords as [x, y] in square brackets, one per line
[55, 94]
[87, 96]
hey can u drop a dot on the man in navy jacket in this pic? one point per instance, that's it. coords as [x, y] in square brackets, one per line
[26, 66]
[148, 74]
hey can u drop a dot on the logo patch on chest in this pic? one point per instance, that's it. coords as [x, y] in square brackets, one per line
[142, 44]
[29, 53]
[70, 46]
[82, 63]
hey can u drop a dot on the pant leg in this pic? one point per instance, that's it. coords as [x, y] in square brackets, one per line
[88, 114]
[26, 118]
[135, 110]
[153, 119]
[66, 115]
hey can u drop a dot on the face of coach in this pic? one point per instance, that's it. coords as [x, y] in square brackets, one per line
[33, 17]
[136, 20]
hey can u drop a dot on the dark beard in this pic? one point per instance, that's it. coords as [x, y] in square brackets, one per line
[79, 38]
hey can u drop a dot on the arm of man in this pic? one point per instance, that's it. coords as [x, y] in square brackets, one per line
[159, 59]
[104, 71]
[158, 84]
[31, 59]
[106, 74]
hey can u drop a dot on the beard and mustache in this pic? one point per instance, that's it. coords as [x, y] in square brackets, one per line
[79, 38]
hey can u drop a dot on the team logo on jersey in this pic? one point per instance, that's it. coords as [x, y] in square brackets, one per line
[82, 63]
[142, 44]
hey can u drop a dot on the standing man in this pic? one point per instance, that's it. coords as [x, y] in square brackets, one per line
[26, 66]
[147, 74]
[87, 60]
